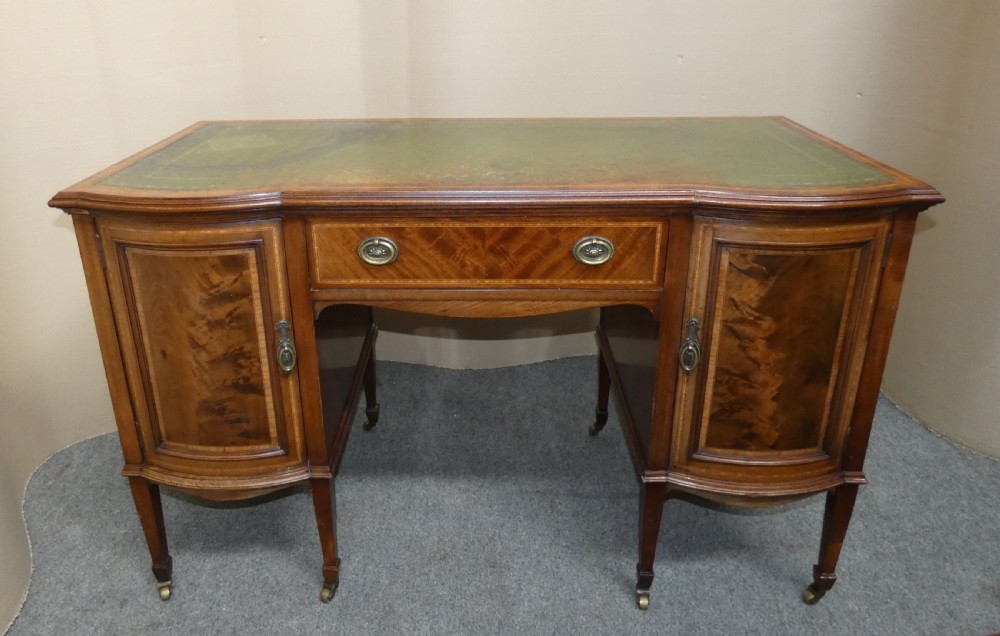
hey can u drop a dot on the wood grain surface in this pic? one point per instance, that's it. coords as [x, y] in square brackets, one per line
[785, 311]
[781, 317]
[460, 253]
[199, 315]
[196, 308]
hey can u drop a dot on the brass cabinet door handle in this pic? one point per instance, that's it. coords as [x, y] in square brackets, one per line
[690, 352]
[285, 351]
[593, 250]
[378, 250]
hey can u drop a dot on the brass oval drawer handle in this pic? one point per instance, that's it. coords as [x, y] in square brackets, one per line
[378, 250]
[593, 250]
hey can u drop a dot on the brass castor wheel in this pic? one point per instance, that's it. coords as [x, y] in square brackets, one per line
[368, 425]
[642, 600]
[326, 594]
[595, 429]
[812, 595]
[165, 590]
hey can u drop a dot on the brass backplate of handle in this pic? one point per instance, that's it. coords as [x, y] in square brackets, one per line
[690, 352]
[378, 250]
[593, 250]
[285, 351]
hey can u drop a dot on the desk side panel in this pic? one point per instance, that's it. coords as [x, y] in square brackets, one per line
[344, 337]
[100, 302]
[631, 336]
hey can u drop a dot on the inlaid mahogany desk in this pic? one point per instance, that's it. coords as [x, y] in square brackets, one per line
[747, 270]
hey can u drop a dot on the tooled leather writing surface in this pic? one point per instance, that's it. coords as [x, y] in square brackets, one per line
[483, 155]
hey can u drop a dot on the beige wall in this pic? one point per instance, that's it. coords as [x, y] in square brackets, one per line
[945, 362]
[83, 82]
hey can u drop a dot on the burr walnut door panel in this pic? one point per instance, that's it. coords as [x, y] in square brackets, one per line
[196, 309]
[784, 315]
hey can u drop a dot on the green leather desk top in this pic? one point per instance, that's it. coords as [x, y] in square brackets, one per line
[619, 159]
[496, 154]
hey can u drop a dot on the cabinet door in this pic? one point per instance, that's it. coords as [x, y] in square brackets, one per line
[196, 310]
[784, 314]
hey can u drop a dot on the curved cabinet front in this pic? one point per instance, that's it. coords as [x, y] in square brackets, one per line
[785, 310]
[196, 308]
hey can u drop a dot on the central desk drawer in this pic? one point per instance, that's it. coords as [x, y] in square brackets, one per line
[441, 253]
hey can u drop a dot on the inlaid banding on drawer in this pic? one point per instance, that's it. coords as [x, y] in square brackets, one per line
[487, 254]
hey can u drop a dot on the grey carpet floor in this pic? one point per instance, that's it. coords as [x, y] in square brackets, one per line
[480, 505]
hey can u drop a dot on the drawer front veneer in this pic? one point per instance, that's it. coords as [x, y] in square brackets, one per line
[489, 254]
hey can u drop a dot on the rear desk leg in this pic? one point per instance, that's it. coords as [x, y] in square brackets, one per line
[147, 503]
[371, 403]
[603, 392]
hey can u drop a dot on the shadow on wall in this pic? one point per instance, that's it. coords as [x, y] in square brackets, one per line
[943, 365]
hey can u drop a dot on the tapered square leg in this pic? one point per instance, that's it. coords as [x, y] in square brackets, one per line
[147, 503]
[651, 499]
[836, 517]
[325, 505]
[603, 393]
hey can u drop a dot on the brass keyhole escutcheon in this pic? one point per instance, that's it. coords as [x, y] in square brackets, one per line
[285, 351]
[690, 352]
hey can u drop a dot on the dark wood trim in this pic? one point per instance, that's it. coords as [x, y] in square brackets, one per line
[155, 202]
[671, 334]
[878, 342]
[498, 302]
[304, 328]
[107, 336]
